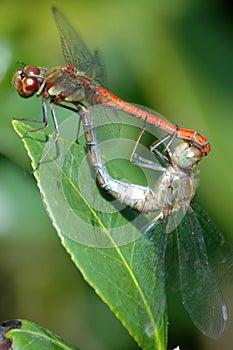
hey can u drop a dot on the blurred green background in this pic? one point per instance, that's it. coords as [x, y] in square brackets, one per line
[173, 56]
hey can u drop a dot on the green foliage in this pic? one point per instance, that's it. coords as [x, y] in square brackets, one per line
[30, 335]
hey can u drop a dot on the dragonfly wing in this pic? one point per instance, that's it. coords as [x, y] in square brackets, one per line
[123, 130]
[106, 122]
[74, 50]
[200, 292]
[175, 218]
[150, 262]
[220, 252]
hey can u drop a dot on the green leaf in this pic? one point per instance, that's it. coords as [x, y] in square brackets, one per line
[28, 335]
[103, 239]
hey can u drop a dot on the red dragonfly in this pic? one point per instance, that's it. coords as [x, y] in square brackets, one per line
[79, 82]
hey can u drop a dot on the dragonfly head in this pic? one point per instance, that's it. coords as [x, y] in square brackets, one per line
[186, 156]
[26, 80]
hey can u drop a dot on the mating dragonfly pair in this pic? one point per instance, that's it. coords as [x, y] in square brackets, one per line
[77, 86]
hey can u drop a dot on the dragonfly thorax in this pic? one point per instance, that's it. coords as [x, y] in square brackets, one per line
[65, 83]
[175, 190]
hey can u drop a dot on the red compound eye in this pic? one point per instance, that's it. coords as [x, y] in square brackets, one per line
[26, 81]
[30, 84]
[25, 86]
[32, 70]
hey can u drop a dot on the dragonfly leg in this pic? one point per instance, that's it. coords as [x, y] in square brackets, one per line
[134, 154]
[78, 131]
[158, 218]
[79, 108]
[170, 138]
[44, 121]
[56, 127]
[146, 163]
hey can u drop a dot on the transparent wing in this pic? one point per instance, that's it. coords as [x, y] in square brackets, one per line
[122, 129]
[200, 292]
[150, 260]
[220, 252]
[75, 51]
[105, 120]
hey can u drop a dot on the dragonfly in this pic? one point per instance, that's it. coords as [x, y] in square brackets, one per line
[203, 257]
[79, 82]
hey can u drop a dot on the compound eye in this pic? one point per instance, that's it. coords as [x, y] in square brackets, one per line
[186, 157]
[31, 70]
[25, 81]
[30, 85]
